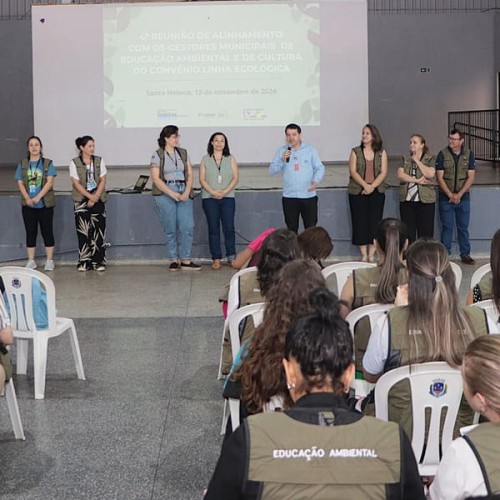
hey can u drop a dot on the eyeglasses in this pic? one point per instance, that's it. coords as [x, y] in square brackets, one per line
[454, 139]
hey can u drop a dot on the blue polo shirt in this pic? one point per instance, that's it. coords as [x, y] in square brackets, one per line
[303, 168]
[440, 165]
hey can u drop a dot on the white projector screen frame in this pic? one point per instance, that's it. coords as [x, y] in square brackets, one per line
[73, 66]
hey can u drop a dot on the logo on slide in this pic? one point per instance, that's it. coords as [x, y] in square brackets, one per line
[254, 114]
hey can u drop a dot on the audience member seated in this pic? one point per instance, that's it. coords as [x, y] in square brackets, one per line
[316, 244]
[489, 286]
[377, 284]
[248, 256]
[6, 338]
[260, 375]
[469, 468]
[278, 248]
[318, 448]
[428, 325]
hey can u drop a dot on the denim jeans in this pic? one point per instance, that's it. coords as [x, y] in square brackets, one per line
[220, 212]
[451, 213]
[177, 220]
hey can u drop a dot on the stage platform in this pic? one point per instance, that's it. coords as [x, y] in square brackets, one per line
[135, 234]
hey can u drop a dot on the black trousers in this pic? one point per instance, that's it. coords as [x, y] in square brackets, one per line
[90, 225]
[293, 208]
[33, 217]
[367, 211]
[419, 219]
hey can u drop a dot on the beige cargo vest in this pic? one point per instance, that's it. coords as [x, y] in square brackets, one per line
[455, 177]
[299, 460]
[49, 200]
[486, 287]
[353, 187]
[484, 441]
[161, 153]
[427, 193]
[399, 355]
[82, 175]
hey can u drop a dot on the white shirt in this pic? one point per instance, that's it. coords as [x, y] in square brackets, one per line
[73, 173]
[459, 475]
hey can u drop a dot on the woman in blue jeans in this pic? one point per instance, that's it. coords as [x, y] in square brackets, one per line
[172, 176]
[218, 178]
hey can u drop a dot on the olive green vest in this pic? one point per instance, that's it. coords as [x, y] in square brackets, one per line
[161, 154]
[49, 200]
[427, 193]
[353, 187]
[399, 355]
[484, 441]
[82, 175]
[455, 177]
[212, 173]
[486, 287]
[299, 460]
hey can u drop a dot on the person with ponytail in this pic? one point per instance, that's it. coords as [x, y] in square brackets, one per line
[428, 325]
[319, 447]
[469, 468]
[489, 286]
[417, 190]
[377, 284]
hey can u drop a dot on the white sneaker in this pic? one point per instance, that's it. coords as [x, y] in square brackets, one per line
[49, 265]
[31, 264]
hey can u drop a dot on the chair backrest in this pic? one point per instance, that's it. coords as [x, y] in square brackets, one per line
[479, 273]
[343, 270]
[233, 300]
[18, 282]
[434, 386]
[254, 310]
[457, 270]
[491, 310]
[373, 311]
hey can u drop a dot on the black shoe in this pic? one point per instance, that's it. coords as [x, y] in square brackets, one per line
[174, 266]
[467, 259]
[190, 267]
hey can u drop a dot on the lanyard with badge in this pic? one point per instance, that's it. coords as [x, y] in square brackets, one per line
[91, 183]
[178, 175]
[219, 165]
[33, 176]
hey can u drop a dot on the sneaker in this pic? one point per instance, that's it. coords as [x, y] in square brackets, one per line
[191, 266]
[100, 268]
[49, 265]
[467, 259]
[174, 266]
[31, 264]
[82, 268]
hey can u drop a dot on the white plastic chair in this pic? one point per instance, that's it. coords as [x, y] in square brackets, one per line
[12, 406]
[373, 312]
[479, 273]
[257, 313]
[18, 286]
[457, 270]
[492, 312]
[233, 302]
[425, 393]
[343, 270]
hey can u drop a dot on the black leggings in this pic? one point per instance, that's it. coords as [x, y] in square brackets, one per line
[419, 219]
[366, 212]
[32, 218]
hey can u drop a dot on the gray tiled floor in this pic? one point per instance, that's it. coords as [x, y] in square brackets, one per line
[145, 424]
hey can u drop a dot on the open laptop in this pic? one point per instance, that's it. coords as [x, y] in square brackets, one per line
[139, 187]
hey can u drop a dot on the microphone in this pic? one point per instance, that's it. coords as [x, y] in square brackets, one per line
[289, 148]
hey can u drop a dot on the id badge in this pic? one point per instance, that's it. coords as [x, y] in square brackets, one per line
[219, 179]
[91, 186]
[296, 166]
[178, 175]
[32, 188]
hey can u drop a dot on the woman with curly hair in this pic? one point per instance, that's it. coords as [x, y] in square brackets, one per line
[261, 372]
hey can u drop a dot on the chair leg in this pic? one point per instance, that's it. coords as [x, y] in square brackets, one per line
[15, 416]
[22, 356]
[225, 418]
[220, 376]
[40, 345]
[75, 347]
[234, 408]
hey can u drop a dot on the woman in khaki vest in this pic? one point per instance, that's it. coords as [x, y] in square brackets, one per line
[417, 190]
[469, 468]
[367, 173]
[35, 178]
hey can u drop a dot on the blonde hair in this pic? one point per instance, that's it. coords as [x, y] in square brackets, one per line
[481, 367]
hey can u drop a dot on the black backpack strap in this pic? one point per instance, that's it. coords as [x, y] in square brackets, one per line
[481, 464]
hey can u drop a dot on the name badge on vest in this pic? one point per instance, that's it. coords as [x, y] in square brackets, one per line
[296, 166]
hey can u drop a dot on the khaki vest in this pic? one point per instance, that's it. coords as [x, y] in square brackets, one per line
[299, 460]
[365, 283]
[486, 287]
[161, 153]
[455, 177]
[353, 187]
[49, 200]
[82, 175]
[427, 193]
[399, 355]
[484, 441]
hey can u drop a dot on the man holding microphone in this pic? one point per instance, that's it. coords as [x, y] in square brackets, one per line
[302, 172]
